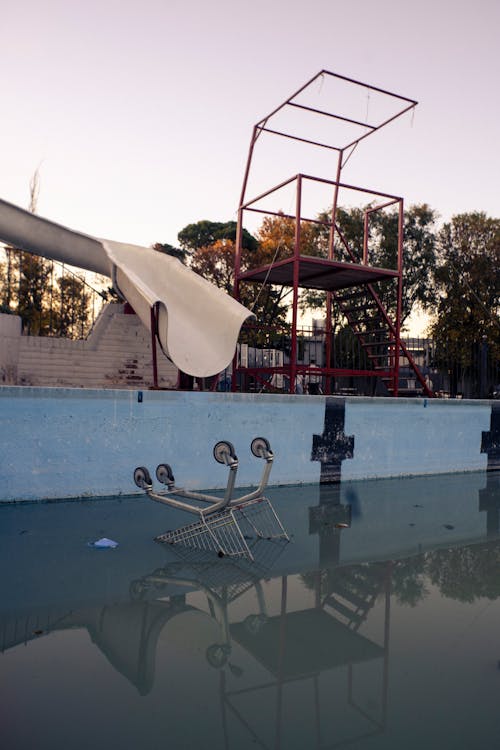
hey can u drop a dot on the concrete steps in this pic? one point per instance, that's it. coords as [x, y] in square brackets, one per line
[117, 354]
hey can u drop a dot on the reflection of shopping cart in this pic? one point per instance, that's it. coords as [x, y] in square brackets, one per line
[225, 524]
[272, 656]
[222, 581]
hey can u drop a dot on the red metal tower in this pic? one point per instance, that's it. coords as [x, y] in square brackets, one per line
[344, 272]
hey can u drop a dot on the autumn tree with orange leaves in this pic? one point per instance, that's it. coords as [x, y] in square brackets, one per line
[212, 255]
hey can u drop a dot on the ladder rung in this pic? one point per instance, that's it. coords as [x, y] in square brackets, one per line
[377, 343]
[354, 598]
[375, 330]
[357, 308]
[349, 297]
[364, 320]
[343, 610]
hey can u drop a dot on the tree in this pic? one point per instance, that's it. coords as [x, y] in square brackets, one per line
[28, 290]
[409, 579]
[215, 263]
[46, 302]
[210, 246]
[419, 254]
[466, 284]
[175, 252]
[210, 251]
[349, 233]
[276, 238]
[466, 573]
[24, 278]
[7, 279]
[205, 233]
[72, 306]
[418, 251]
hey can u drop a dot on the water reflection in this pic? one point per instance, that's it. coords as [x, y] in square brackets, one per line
[318, 643]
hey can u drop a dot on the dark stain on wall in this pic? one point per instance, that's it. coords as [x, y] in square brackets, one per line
[333, 446]
[490, 442]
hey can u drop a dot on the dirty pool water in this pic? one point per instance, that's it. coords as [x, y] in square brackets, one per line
[376, 626]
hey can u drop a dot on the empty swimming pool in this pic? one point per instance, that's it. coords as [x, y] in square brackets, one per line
[375, 626]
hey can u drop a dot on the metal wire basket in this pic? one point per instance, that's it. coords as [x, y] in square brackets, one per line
[229, 531]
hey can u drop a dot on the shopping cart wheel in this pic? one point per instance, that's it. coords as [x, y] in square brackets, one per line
[222, 450]
[217, 655]
[253, 624]
[260, 446]
[137, 589]
[142, 477]
[164, 474]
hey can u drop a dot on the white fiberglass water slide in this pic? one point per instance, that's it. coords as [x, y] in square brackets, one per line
[197, 323]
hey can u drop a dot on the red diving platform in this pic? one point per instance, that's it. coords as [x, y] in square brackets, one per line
[358, 294]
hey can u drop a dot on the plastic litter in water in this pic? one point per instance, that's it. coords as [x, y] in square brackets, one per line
[104, 543]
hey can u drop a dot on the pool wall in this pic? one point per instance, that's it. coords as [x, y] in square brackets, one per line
[60, 442]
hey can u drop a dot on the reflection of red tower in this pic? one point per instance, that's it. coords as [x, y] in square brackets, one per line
[349, 281]
[299, 648]
[489, 502]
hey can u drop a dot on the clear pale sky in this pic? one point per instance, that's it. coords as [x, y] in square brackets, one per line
[139, 114]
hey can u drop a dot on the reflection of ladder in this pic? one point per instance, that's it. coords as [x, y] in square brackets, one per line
[352, 593]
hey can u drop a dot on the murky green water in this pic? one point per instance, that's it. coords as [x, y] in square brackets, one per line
[376, 626]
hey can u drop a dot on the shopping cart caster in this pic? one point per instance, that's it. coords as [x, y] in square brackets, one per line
[164, 474]
[253, 624]
[217, 655]
[261, 447]
[142, 478]
[224, 453]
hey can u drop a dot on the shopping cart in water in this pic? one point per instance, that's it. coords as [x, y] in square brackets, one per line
[225, 525]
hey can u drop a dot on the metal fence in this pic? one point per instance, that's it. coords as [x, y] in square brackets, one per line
[450, 370]
[455, 370]
[51, 298]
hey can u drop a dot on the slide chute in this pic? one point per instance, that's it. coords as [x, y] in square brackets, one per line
[197, 324]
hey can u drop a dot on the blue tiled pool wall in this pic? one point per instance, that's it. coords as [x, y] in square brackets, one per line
[60, 443]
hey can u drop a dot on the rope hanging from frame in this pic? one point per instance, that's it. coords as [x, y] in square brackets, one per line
[278, 249]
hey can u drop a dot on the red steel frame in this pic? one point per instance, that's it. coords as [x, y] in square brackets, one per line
[295, 276]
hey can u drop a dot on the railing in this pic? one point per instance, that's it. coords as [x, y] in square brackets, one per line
[471, 371]
[263, 360]
[51, 298]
